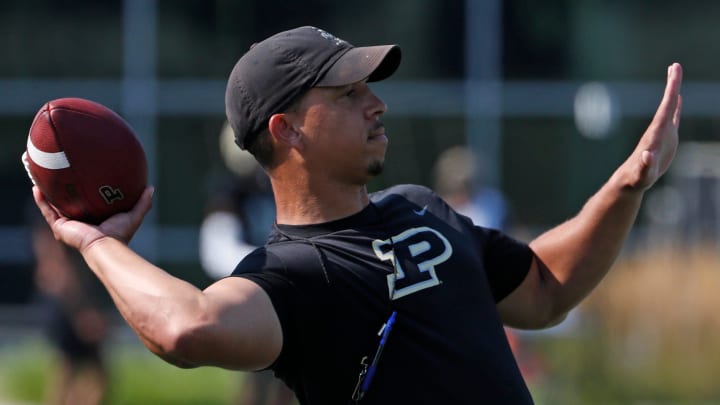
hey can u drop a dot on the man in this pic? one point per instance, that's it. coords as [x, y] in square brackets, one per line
[384, 298]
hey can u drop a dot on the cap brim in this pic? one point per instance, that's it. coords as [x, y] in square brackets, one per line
[372, 62]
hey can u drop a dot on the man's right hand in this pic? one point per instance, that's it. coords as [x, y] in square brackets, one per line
[80, 235]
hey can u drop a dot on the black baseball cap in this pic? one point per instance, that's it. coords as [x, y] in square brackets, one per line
[273, 73]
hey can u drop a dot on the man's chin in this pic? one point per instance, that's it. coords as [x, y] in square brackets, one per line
[375, 168]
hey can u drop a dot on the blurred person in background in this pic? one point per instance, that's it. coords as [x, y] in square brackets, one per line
[75, 325]
[239, 214]
[457, 178]
[358, 297]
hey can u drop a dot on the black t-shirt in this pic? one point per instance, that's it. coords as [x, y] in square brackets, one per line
[333, 286]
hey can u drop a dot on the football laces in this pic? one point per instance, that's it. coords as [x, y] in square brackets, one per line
[26, 164]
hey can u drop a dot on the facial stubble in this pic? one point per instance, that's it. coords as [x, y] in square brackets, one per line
[375, 168]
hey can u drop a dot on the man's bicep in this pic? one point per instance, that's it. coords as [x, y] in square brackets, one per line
[248, 333]
[529, 306]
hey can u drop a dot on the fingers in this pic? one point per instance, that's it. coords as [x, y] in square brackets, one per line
[46, 209]
[143, 205]
[123, 226]
[674, 82]
[668, 111]
[38, 195]
[678, 110]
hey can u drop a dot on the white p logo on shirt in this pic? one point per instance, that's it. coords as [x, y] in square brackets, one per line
[414, 253]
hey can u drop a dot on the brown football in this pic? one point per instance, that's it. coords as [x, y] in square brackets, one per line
[86, 160]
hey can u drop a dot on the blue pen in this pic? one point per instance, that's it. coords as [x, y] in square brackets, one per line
[373, 366]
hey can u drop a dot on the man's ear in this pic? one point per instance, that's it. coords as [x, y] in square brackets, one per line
[282, 130]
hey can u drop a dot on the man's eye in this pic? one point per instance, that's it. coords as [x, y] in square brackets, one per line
[350, 92]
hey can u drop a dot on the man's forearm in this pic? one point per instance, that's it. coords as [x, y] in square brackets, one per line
[154, 303]
[579, 252]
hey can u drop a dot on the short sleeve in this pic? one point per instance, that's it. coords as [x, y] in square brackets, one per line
[507, 261]
[268, 271]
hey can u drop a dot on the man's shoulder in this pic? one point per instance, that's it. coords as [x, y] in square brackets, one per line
[264, 258]
[407, 198]
[278, 256]
[256, 261]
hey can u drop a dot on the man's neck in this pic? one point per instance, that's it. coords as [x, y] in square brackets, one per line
[301, 203]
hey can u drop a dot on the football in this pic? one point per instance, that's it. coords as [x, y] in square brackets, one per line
[86, 159]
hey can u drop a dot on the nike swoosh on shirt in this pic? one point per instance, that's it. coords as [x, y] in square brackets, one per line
[421, 212]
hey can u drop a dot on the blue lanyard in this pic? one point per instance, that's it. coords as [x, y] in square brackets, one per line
[367, 373]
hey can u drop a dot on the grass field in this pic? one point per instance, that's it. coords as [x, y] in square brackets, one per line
[137, 377]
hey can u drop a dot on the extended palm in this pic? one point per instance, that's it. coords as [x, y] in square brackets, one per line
[658, 145]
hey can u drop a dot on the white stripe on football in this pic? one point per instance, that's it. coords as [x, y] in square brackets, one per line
[47, 160]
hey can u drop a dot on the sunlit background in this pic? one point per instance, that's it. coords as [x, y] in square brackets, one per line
[551, 96]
